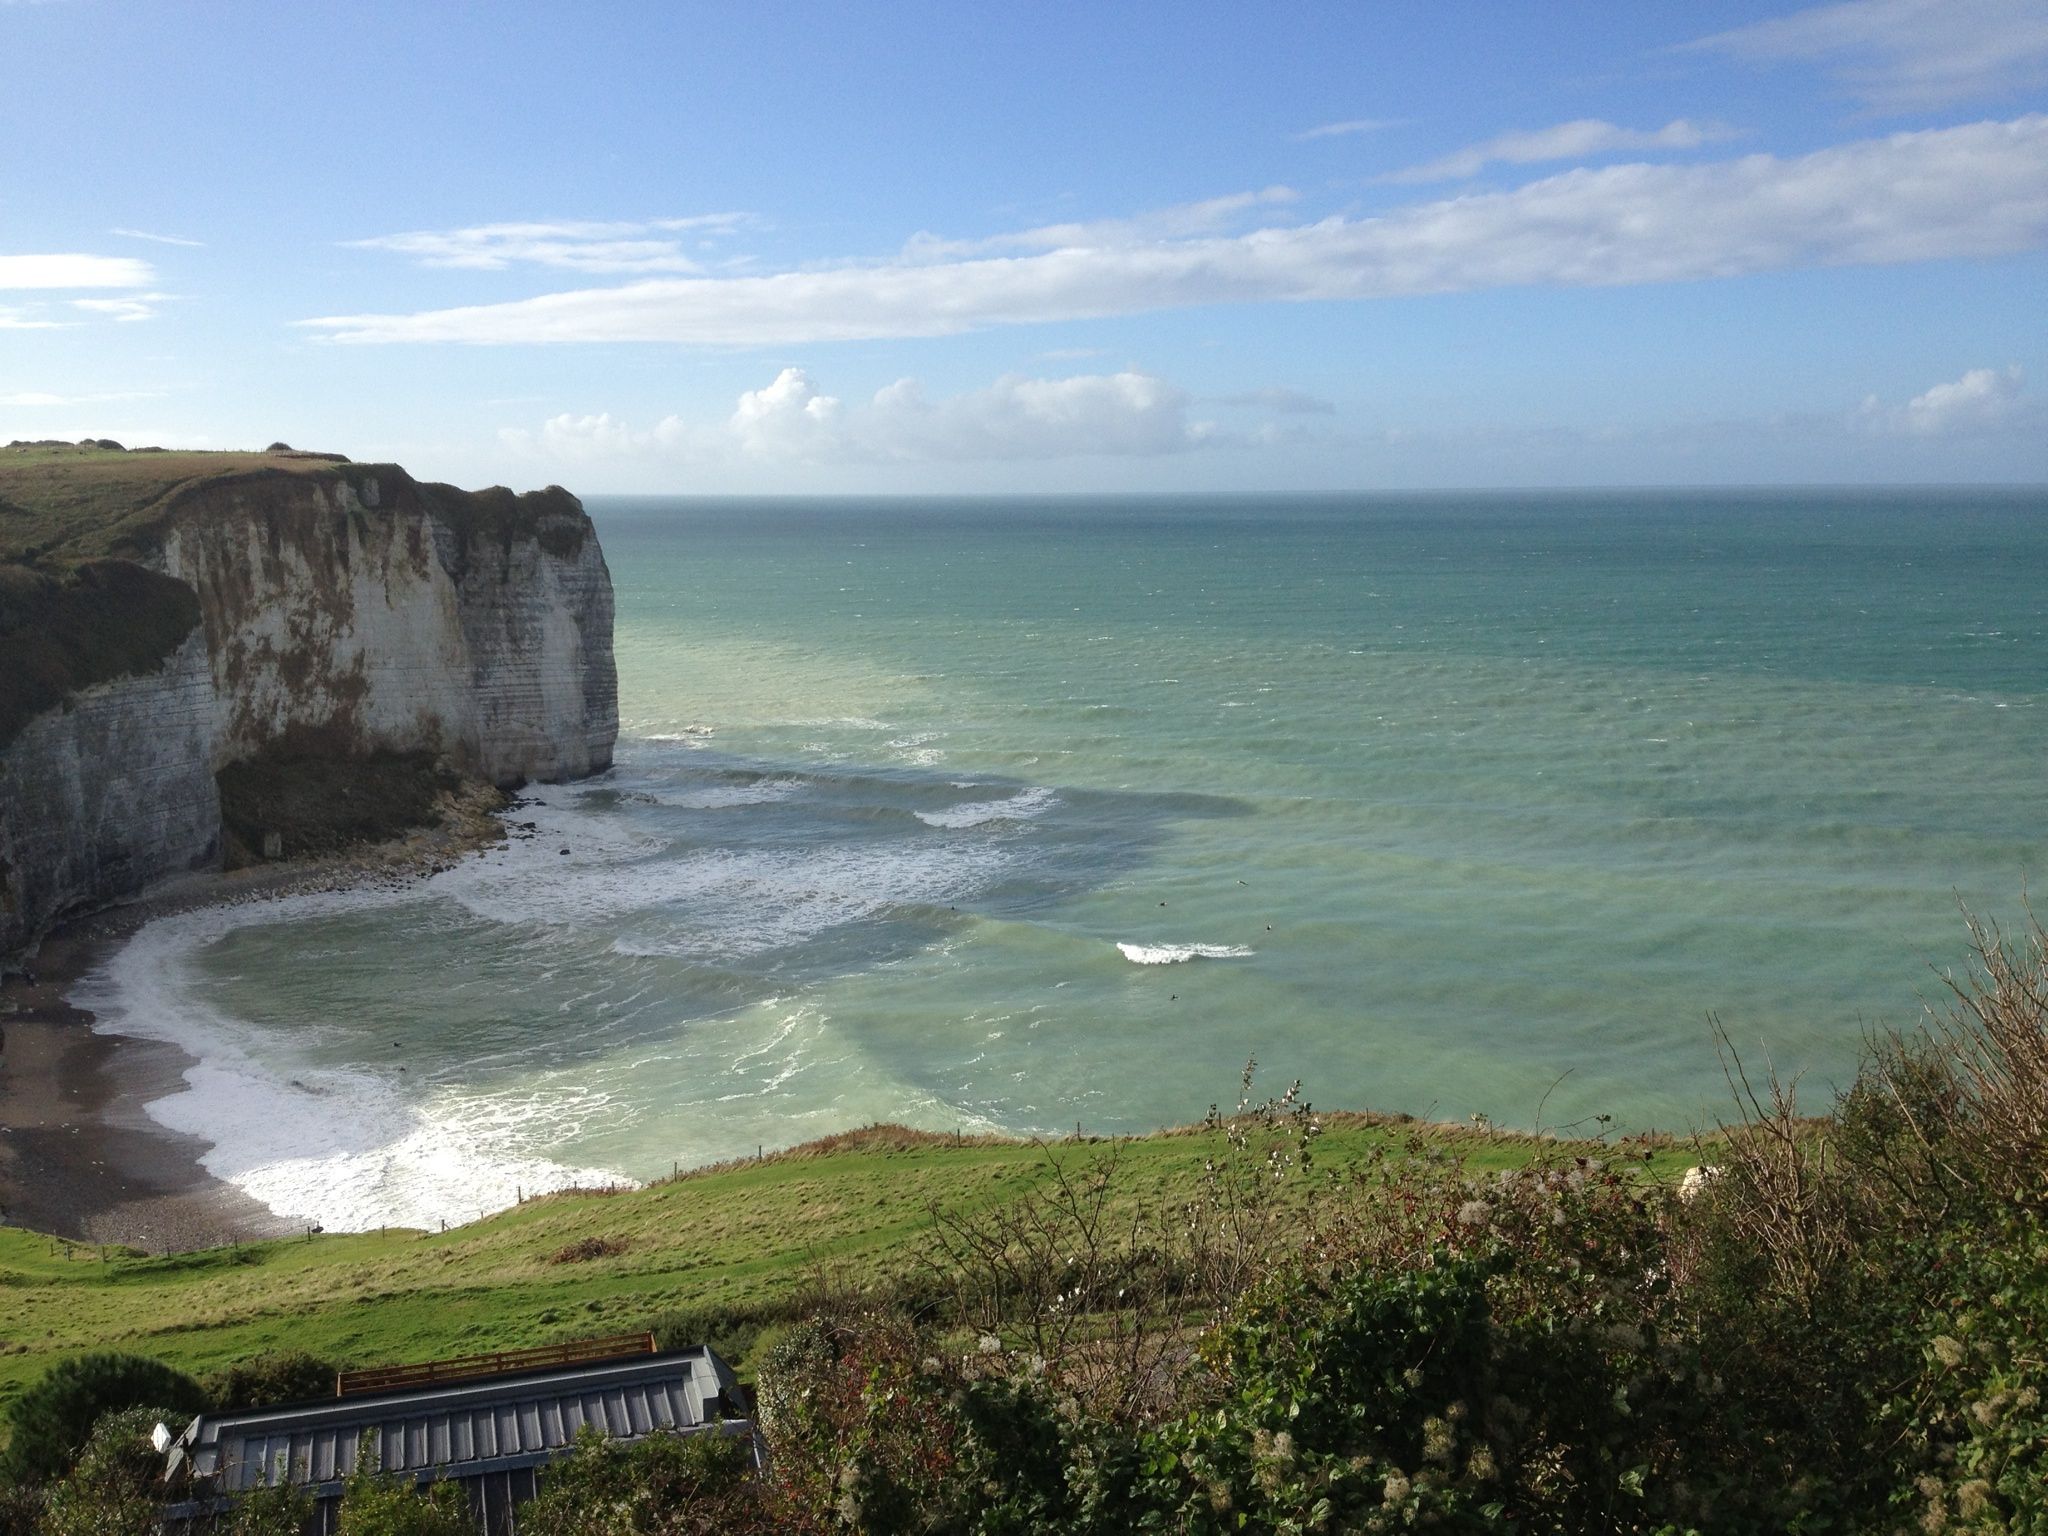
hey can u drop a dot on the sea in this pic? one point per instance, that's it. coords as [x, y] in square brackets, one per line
[1037, 815]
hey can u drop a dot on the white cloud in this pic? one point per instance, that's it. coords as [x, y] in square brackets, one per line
[17, 317]
[1905, 55]
[137, 306]
[143, 234]
[1022, 418]
[788, 421]
[1563, 141]
[41, 398]
[1981, 400]
[1976, 190]
[1350, 126]
[1288, 402]
[651, 245]
[74, 271]
[1181, 221]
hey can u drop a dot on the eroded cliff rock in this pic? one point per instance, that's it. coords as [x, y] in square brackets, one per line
[342, 611]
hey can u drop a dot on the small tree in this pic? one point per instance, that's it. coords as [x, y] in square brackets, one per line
[664, 1485]
[113, 1489]
[49, 1423]
[277, 1376]
[375, 1505]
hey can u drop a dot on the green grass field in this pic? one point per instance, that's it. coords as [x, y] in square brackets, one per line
[859, 1206]
[79, 503]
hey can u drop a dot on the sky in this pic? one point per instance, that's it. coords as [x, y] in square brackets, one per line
[1041, 247]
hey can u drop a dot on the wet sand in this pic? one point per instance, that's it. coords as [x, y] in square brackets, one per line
[79, 1155]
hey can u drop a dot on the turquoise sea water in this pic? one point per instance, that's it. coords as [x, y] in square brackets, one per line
[1028, 813]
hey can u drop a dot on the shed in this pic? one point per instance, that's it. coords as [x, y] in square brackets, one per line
[491, 1434]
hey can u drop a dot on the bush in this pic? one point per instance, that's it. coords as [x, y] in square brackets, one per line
[663, 1485]
[49, 1423]
[283, 1509]
[375, 1505]
[114, 1488]
[21, 1510]
[279, 1376]
[732, 1332]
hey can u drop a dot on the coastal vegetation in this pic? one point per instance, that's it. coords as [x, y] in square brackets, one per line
[1278, 1321]
[65, 503]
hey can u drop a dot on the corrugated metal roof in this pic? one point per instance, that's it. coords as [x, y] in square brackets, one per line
[464, 1430]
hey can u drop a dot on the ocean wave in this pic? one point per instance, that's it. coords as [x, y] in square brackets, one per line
[1022, 806]
[719, 797]
[718, 903]
[347, 1147]
[1174, 954]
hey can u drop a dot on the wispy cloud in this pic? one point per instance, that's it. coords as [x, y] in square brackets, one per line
[136, 306]
[790, 421]
[18, 317]
[36, 397]
[652, 245]
[1350, 126]
[74, 271]
[1905, 55]
[1180, 221]
[1982, 400]
[1578, 140]
[1976, 190]
[143, 234]
[1288, 402]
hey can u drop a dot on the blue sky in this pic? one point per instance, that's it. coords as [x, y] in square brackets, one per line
[943, 247]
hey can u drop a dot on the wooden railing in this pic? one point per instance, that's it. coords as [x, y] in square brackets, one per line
[384, 1378]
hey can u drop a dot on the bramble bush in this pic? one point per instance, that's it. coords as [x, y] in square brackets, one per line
[1842, 1331]
[664, 1485]
[374, 1503]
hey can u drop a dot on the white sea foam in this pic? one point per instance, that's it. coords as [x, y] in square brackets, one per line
[1174, 954]
[719, 797]
[349, 1148]
[300, 1121]
[1022, 806]
[711, 903]
[916, 748]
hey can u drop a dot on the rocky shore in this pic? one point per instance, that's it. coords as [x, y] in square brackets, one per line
[80, 1156]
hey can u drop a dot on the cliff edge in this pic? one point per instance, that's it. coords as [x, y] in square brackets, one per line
[171, 623]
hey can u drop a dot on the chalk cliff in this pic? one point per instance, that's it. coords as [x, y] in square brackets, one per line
[342, 611]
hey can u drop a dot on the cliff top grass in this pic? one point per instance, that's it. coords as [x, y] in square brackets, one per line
[732, 1239]
[74, 610]
[68, 502]
[65, 503]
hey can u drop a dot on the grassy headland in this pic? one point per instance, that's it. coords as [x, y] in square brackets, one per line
[1276, 1323]
[738, 1240]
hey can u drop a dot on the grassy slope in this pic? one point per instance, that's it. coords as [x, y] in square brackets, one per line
[62, 505]
[69, 504]
[740, 1234]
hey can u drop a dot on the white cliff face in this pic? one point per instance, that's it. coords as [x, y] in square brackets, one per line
[109, 792]
[352, 626]
[537, 629]
[342, 614]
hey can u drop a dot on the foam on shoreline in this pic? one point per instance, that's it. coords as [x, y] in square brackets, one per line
[344, 1148]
